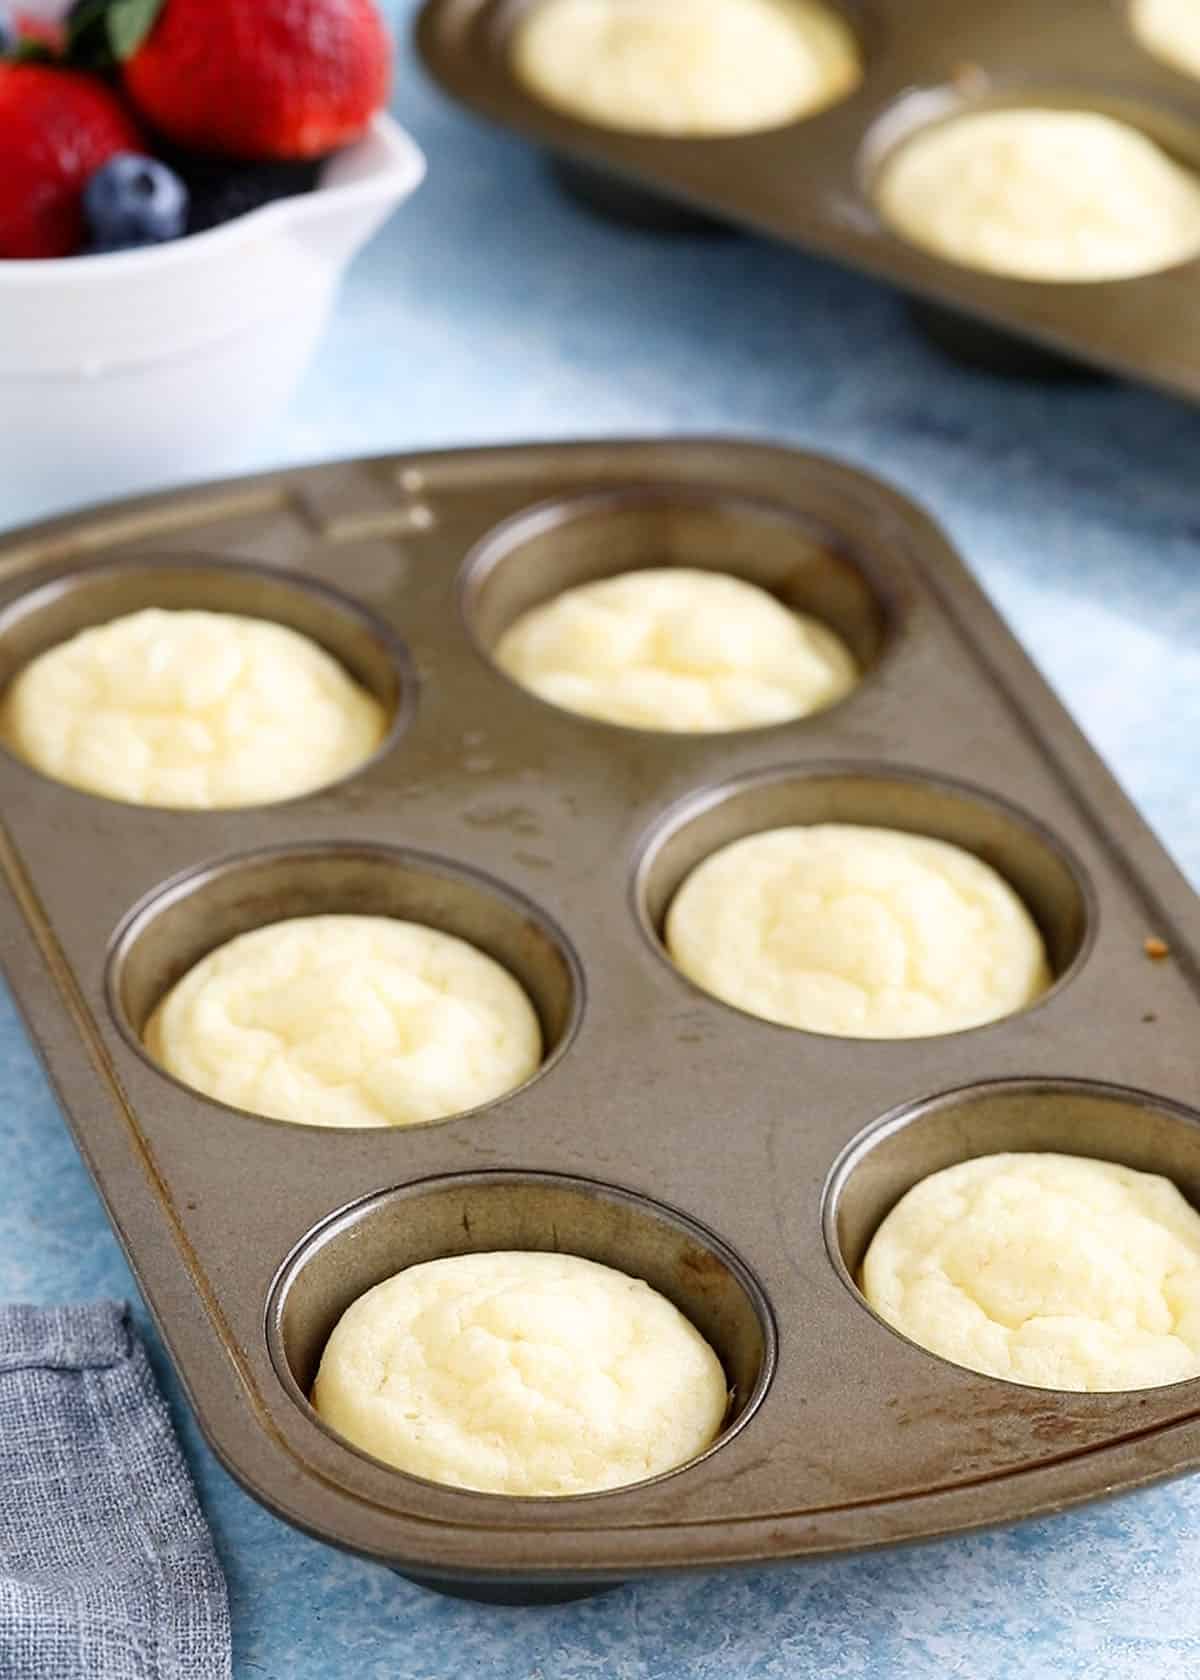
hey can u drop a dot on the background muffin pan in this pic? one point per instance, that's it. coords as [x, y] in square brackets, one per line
[738, 1166]
[811, 182]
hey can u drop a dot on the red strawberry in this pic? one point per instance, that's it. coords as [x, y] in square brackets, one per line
[261, 78]
[56, 129]
[46, 32]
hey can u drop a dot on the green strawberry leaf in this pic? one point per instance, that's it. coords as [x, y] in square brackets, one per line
[129, 23]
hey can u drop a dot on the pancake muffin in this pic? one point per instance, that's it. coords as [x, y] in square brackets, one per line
[859, 932]
[190, 709]
[710, 67]
[347, 1021]
[1051, 195]
[676, 649]
[521, 1373]
[1053, 1270]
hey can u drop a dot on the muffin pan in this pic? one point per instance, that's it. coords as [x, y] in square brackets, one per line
[737, 1166]
[811, 183]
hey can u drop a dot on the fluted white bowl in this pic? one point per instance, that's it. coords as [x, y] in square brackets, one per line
[144, 367]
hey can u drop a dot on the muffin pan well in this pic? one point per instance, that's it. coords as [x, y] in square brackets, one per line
[812, 183]
[738, 1166]
[193, 914]
[79, 600]
[377, 1237]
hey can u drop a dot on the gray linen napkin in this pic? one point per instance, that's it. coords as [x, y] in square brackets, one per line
[107, 1568]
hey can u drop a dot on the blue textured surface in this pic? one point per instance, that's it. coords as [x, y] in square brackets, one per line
[489, 310]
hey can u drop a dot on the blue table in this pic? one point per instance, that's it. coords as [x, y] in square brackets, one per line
[491, 309]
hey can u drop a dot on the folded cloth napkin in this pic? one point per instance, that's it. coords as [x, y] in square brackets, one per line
[107, 1567]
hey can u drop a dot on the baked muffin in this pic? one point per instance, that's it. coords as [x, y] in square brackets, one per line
[858, 932]
[190, 709]
[1051, 195]
[676, 649]
[347, 1021]
[710, 67]
[521, 1373]
[1053, 1270]
[1170, 29]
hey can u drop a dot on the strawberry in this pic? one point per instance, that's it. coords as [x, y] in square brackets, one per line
[255, 79]
[56, 129]
[47, 31]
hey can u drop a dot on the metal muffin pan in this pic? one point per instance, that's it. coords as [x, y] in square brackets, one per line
[738, 1166]
[810, 183]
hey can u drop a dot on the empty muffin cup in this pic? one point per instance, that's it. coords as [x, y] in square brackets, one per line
[343, 986]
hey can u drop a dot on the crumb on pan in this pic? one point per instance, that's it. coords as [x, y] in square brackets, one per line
[970, 78]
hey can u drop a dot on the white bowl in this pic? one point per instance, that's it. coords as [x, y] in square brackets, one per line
[149, 366]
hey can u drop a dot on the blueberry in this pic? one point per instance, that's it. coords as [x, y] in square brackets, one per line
[235, 191]
[8, 33]
[133, 201]
[221, 189]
